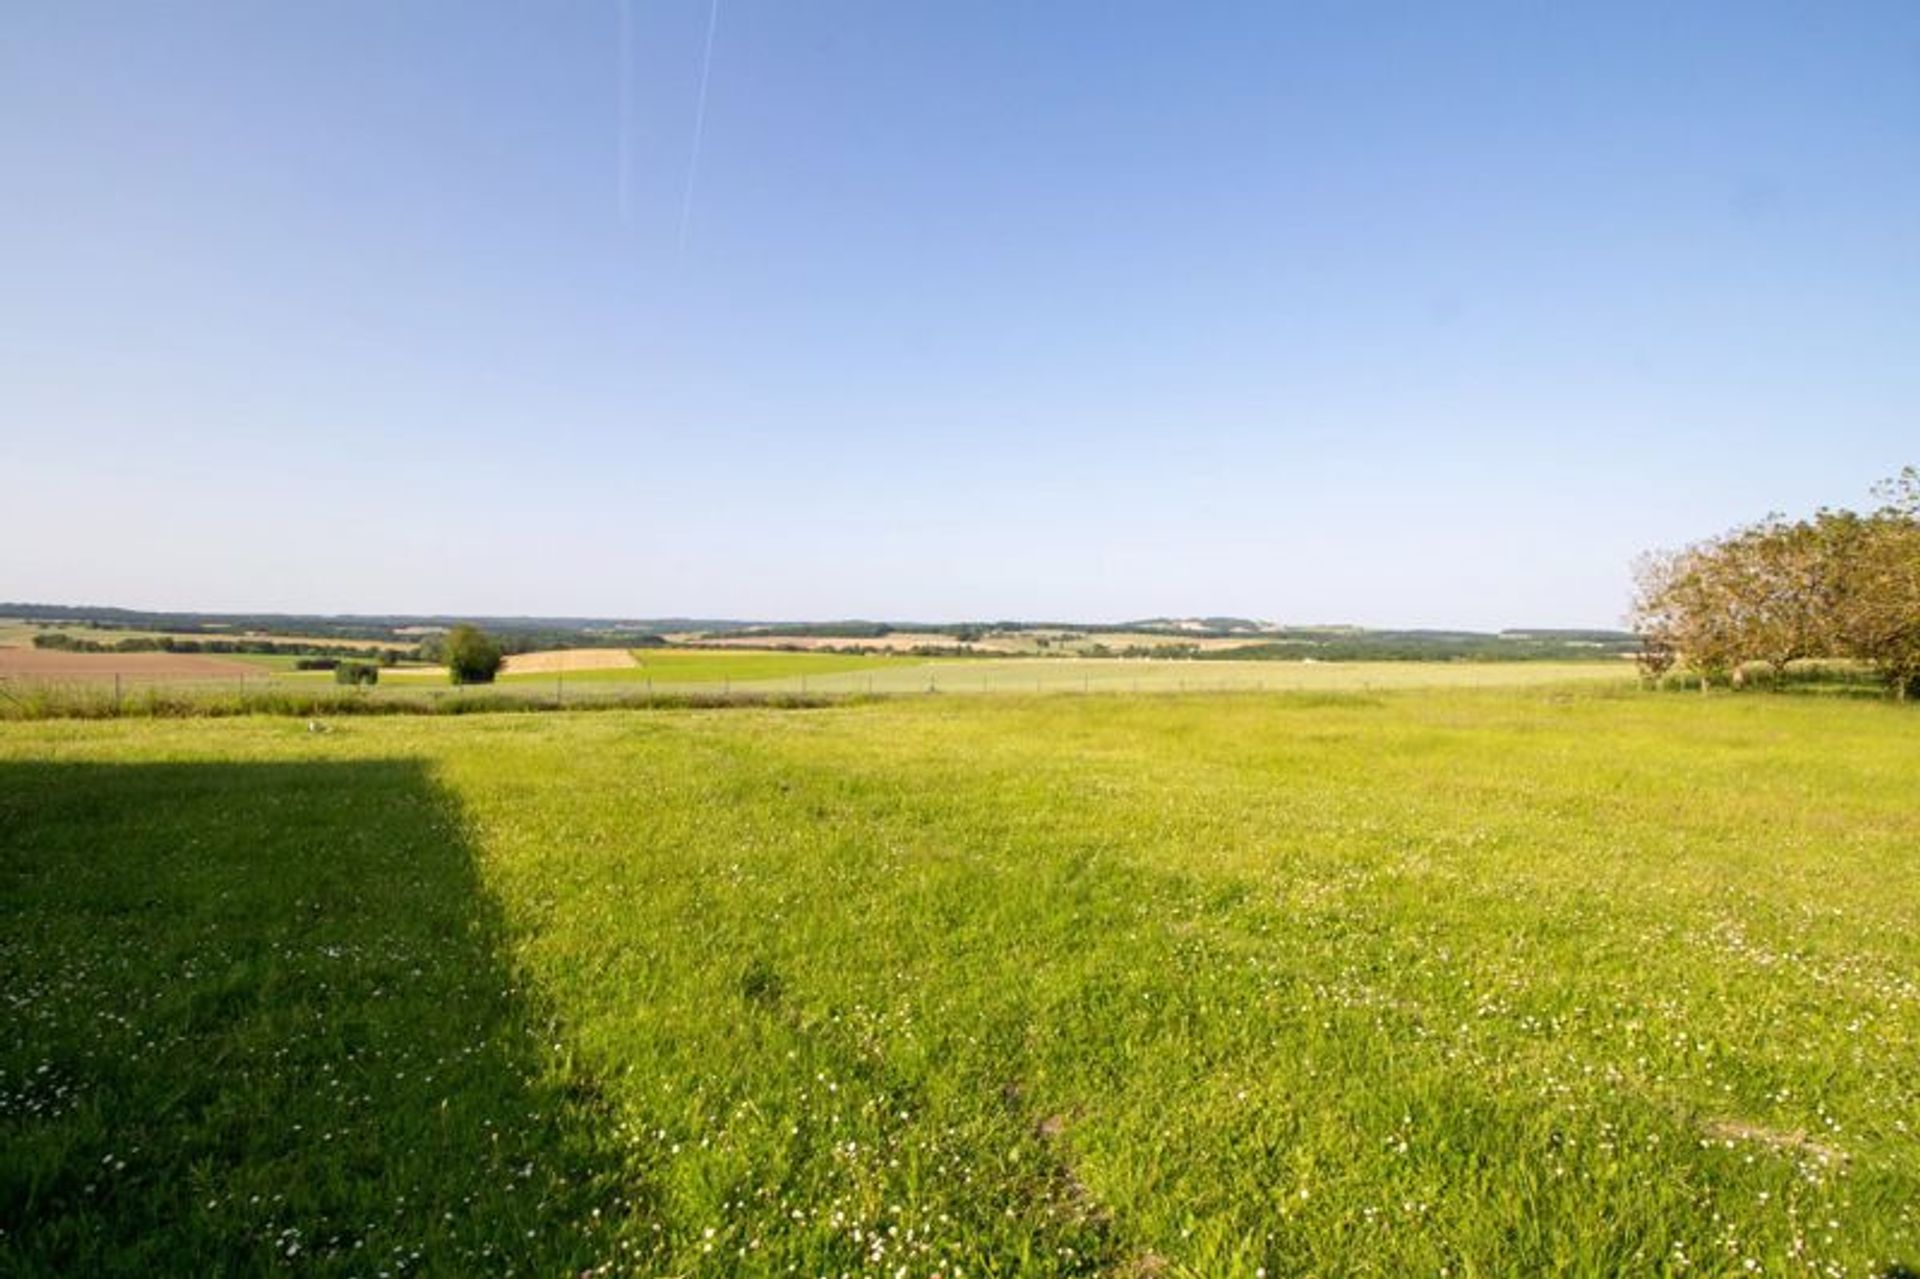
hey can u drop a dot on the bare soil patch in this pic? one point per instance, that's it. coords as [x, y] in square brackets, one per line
[52, 664]
[1793, 1142]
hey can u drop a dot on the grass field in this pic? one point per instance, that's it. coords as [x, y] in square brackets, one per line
[712, 670]
[1114, 675]
[1456, 981]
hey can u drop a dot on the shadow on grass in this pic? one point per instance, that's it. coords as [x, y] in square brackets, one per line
[258, 1015]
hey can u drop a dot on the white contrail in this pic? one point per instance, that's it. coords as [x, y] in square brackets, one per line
[626, 112]
[699, 123]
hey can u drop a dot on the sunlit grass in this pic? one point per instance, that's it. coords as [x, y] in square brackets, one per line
[882, 673]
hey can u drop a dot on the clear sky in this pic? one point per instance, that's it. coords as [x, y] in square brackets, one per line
[1424, 314]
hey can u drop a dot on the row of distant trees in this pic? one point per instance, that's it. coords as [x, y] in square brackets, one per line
[1838, 585]
[470, 655]
[63, 642]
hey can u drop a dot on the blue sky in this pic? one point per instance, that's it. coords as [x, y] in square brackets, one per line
[1403, 315]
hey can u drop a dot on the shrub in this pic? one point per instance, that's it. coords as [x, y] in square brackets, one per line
[356, 673]
[472, 655]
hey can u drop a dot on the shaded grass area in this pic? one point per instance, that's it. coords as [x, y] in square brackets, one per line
[258, 1017]
[1497, 982]
[1833, 678]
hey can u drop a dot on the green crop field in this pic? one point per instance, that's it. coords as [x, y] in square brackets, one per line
[712, 670]
[716, 666]
[1147, 675]
[1509, 981]
[749, 670]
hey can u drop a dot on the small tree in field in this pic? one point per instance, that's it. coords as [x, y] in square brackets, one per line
[472, 655]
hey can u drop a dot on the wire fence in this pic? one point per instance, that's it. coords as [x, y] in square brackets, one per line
[300, 693]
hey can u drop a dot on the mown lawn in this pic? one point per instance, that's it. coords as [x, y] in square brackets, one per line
[1470, 982]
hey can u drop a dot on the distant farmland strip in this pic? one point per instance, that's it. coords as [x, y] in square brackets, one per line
[706, 666]
[51, 664]
[568, 661]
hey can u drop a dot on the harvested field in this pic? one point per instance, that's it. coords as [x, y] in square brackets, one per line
[563, 660]
[51, 664]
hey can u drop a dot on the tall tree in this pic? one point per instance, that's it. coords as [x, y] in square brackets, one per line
[1878, 612]
[1839, 584]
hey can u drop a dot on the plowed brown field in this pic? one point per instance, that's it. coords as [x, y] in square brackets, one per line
[52, 664]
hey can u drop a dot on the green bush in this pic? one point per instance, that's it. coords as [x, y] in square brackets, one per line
[356, 673]
[472, 655]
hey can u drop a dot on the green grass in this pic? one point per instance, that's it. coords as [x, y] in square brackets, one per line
[1482, 982]
[280, 663]
[879, 673]
[1115, 675]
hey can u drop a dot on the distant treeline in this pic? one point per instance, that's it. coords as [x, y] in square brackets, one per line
[516, 634]
[969, 632]
[1432, 646]
[65, 643]
[959, 632]
[432, 648]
